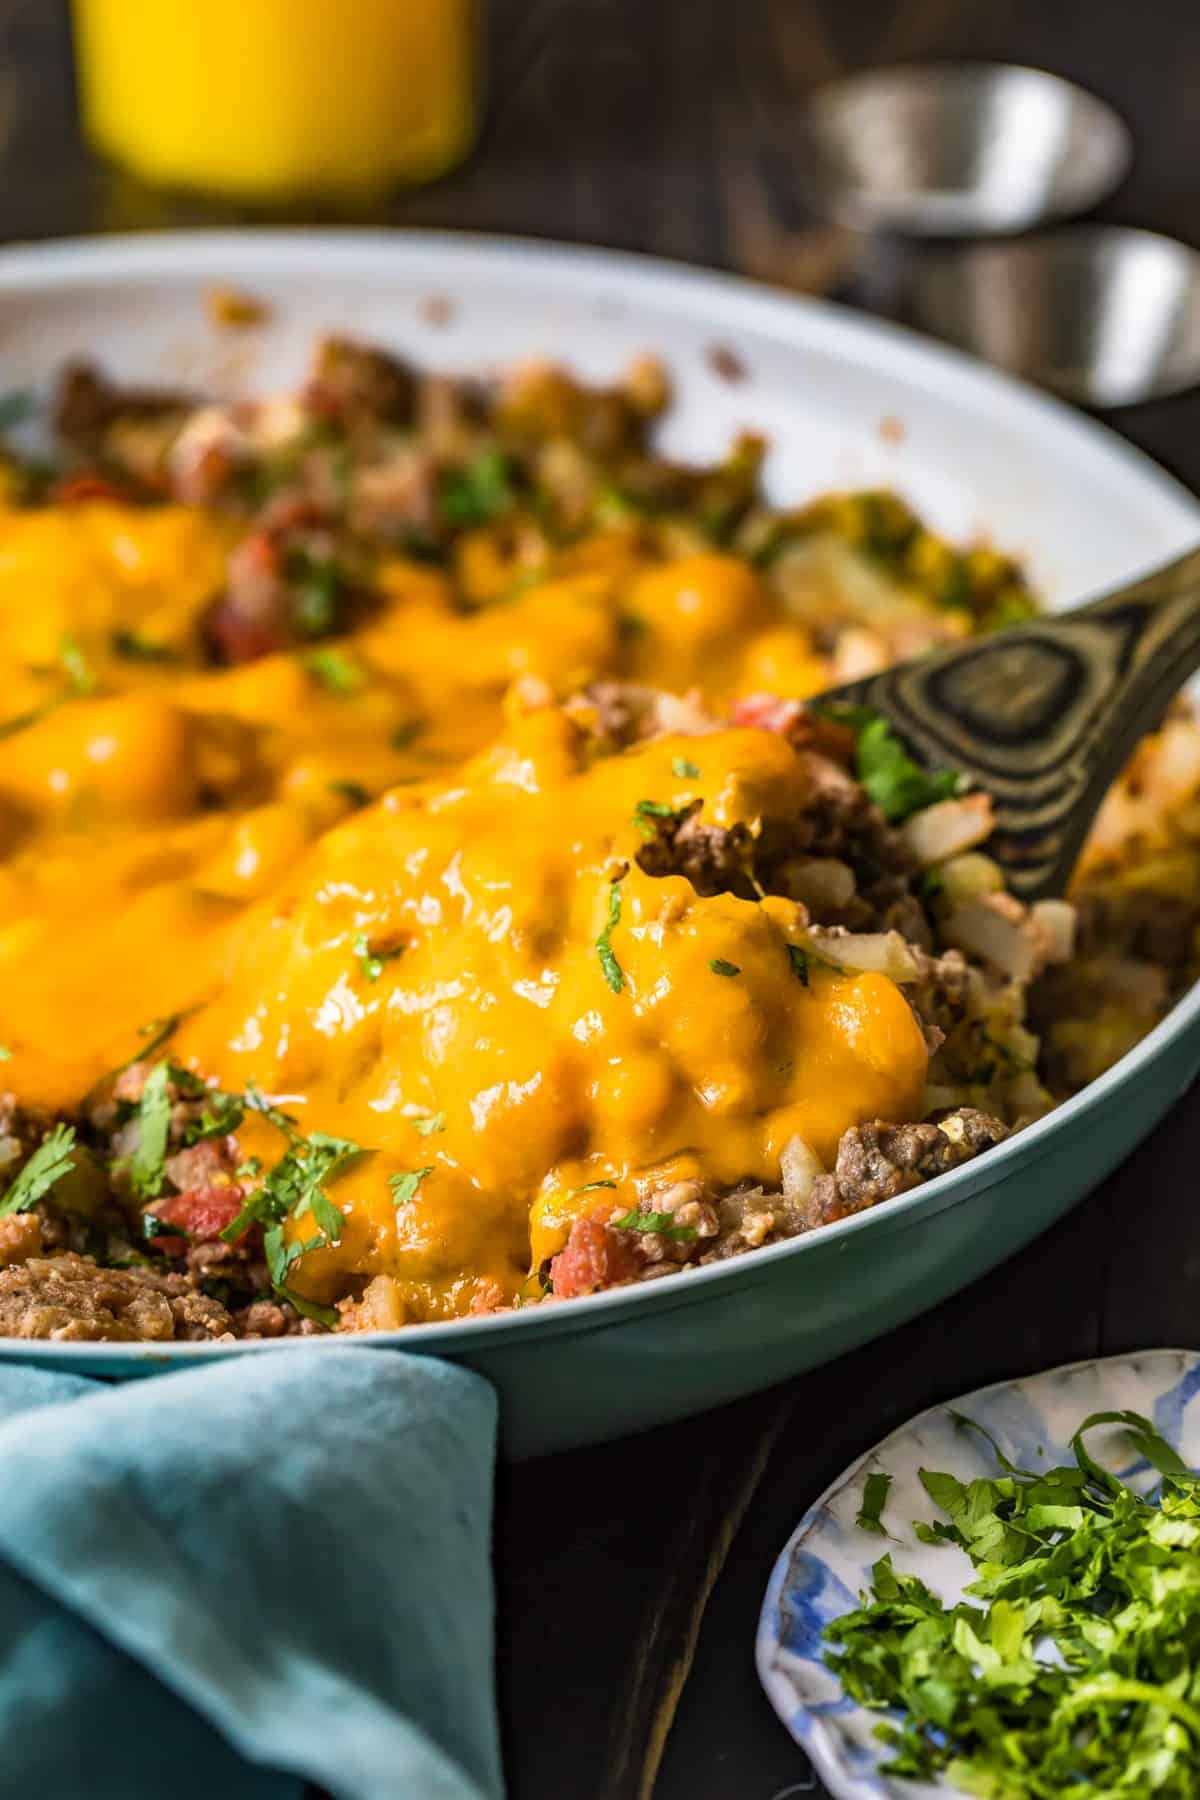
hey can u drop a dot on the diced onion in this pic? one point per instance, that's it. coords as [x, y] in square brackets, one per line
[996, 934]
[948, 828]
[798, 1170]
[873, 952]
[1055, 921]
[967, 877]
[821, 883]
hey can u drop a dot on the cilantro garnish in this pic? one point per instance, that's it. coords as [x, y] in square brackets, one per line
[719, 966]
[405, 734]
[1073, 1667]
[653, 809]
[295, 1189]
[661, 1222]
[608, 962]
[684, 770]
[154, 1227]
[75, 666]
[875, 1493]
[353, 791]
[479, 492]
[803, 962]
[135, 648]
[336, 670]
[147, 1164]
[156, 1033]
[589, 1185]
[256, 1101]
[433, 1122]
[405, 1186]
[5, 1053]
[898, 785]
[316, 585]
[371, 961]
[219, 1117]
[53, 1158]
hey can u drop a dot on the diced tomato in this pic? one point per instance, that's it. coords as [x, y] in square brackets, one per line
[594, 1257]
[805, 729]
[766, 712]
[202, 1212]
[76, 488]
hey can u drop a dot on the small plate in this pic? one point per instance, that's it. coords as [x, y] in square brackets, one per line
[828, 1559]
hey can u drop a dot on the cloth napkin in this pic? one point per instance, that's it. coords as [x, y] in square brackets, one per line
[233, 1582]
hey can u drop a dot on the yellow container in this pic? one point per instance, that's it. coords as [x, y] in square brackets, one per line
[273, 100]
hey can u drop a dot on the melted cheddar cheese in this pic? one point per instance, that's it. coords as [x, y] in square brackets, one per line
[187, 840]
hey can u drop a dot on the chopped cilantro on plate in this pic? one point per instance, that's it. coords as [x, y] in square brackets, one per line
[1073, 1666]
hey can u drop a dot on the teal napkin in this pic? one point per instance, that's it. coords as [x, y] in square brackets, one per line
[243, 1579]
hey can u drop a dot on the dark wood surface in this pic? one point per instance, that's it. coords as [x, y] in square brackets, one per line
[630, 1576]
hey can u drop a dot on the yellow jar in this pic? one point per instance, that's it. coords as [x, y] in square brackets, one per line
[279, 99]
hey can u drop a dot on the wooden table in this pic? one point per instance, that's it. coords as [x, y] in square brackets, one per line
[630, 1576]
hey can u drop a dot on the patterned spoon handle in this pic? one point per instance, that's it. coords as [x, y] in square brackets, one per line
[1043, 716]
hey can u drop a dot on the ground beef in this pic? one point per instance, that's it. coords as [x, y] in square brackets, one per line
[876, 1162]
[88, 405]
[68, 1298]
[350, 382]
[839, 825]
[715, 859]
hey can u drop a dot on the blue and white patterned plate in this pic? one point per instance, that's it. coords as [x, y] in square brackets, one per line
[827, 1561]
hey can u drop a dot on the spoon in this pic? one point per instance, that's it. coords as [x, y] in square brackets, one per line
[1043, 716]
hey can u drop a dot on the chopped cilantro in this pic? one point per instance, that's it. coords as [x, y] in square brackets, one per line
[371, 961]
[803, 962]
[608, 961]
[405, 734]
[1073, 1664]
[53, 1158]
[156, 1033]
[256, 1101]
[154, 1227]
[147, 1170]
[75, 666]
[589, 1185]
[684, 770]
[136, 648]
[661, 1222]
[316, 584]
[293, 1189]
[898, 785]
[719, 966]
[432, 1123]
[336, 670]
[653, 809]
[353, 791]
[875, 1493]
[220, 1115]
[405, 1186]
[479, 492]
[5, 1053]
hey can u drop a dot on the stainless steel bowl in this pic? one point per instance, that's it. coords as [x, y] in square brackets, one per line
[952, 149]
[1103, 314]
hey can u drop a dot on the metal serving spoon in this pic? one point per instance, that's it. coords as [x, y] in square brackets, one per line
[1043, 716]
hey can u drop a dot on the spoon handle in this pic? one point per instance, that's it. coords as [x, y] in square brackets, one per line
[1043, 716]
